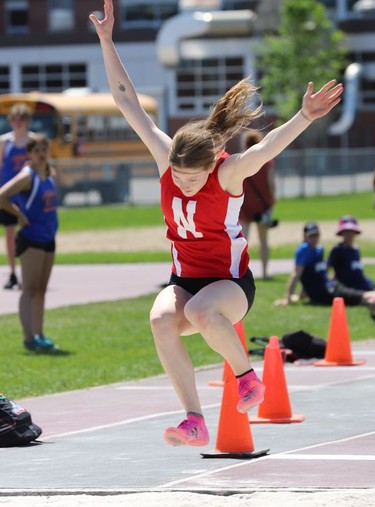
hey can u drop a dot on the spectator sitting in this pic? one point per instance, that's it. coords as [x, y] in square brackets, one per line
[310, 269]
[345, 257]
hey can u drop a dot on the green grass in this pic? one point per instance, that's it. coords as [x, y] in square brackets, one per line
[326, 207]
[278, 252]
[109, 217]
[109, 342]
[118, 217]
[111, 257]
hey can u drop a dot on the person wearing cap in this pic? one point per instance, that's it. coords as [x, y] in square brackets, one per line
[310, 270]
[345, 257]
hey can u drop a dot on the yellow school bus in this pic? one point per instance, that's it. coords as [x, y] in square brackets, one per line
[81, 124]
[91, 142]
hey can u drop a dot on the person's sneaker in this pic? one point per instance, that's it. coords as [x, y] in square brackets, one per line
[12, 282]
[40, 343]
[251, 391]
[192, 431]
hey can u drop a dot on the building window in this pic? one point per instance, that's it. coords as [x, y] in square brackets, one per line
[60, 15]
[4, 79]
[17, 16]
[200, 83]
[143, 14]
[237, 5]
[53, 77]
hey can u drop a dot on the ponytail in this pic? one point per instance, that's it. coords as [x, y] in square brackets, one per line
[198, 143]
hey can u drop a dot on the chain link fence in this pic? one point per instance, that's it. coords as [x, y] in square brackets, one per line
[299, 173]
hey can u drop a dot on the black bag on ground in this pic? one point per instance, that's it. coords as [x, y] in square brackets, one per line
[294, 346]
[16, 426]
[304, 345]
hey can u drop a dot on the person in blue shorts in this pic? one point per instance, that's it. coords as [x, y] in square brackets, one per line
[13, 157]
[36, 214]
[345, 257]
[310, 269]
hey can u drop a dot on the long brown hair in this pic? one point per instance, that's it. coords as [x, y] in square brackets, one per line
[198, 143]
[34, 141]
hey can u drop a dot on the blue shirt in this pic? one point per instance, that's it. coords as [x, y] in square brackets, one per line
[314, 278]
[346, 261]
[14, 159]
[40, 206]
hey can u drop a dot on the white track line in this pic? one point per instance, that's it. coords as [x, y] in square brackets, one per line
[121, 423]
[247, 462]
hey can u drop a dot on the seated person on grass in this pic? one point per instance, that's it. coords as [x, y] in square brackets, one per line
[345, 257]
[310, 269]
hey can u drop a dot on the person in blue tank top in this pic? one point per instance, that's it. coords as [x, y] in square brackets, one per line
[310, 270]
[345, 257]
[36, 214]
[13, 157]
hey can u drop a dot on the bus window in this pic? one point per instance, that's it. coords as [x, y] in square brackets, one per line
[81, 125]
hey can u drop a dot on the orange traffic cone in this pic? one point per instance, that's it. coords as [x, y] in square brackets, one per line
[338, 350]
[241, 333]
[275, 407]
[234, 439]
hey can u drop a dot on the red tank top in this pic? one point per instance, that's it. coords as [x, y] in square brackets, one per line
[206, 239]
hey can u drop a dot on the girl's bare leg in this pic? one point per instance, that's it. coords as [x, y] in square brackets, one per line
[39, 299]
[168, 323]
[10, 236]
[213, 311]
[264, 250]
[32, 261]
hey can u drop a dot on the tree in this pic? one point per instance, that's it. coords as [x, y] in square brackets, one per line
[306, 48]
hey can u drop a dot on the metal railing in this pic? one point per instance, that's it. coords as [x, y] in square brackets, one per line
[330, 171]
[299, 173]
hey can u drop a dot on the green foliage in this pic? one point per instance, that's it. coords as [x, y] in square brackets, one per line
[306, 48]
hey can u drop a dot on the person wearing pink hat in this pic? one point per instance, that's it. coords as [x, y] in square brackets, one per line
[310, 271]
[345, 257]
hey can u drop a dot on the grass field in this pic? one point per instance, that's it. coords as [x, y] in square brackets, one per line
[111, 342]
[122, 216]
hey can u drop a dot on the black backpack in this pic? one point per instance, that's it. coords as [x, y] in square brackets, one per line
[16, 426]
[295, 345]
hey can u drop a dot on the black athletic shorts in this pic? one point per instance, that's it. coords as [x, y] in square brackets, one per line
[194, 285]
[7, 219]
[22, 244]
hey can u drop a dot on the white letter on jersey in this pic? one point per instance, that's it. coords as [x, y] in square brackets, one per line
[185, 224]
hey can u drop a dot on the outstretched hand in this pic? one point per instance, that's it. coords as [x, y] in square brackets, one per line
[316, 105]
[104, 27]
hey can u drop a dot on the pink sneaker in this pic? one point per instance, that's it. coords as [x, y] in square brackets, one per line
[192, 431]
[251, 391]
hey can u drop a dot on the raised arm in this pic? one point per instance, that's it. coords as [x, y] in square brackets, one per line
[124, 93]
[314, 106]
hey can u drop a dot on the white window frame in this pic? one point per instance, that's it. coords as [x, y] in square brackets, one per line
[61, 16]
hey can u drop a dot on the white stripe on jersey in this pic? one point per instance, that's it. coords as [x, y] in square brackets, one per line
[33, 192]
[233, 229]
[176, 263]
